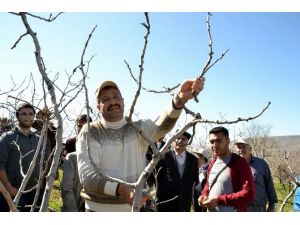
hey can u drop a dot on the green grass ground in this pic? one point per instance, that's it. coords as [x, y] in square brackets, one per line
[55, 202]
[282, 190]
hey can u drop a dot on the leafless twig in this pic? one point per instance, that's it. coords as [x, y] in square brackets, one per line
[49, 19]
[141, 66]
[166, 89]
[209, 63]
[19, 39]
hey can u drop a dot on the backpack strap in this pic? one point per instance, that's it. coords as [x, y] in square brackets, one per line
[216, 178]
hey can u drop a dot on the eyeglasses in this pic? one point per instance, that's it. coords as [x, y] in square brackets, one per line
[27, 114]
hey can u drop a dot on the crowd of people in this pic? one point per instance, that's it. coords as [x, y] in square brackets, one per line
[218, 179]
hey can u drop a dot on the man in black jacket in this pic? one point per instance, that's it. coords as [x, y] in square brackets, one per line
[177, 175]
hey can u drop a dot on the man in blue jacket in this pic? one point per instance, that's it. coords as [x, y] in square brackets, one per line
[265, 190]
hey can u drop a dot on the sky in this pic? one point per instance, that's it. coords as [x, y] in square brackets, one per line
[262, 64]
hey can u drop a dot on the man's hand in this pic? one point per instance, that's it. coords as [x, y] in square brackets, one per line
[13, 191]
[187, 90]
[210, 203]
[202, 199]
[126, 191]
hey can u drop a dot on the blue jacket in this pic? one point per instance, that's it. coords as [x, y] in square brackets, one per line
[265, 190]
[296, 206]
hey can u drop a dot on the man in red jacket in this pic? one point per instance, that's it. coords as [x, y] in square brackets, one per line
[229, 185]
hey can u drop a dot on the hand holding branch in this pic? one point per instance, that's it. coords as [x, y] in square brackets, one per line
[187, 90]
[129, 193]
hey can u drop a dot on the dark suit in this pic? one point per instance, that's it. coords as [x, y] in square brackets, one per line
[170, 184]
[149, 153]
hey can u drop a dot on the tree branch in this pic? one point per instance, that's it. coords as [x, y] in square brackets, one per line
[141, 66]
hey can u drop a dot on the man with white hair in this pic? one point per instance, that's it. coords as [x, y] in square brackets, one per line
[265, 191]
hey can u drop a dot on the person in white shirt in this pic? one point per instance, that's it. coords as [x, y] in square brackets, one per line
[177, 174]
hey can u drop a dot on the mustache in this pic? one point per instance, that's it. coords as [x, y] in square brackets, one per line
[113, 106]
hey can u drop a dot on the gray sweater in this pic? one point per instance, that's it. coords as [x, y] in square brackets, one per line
[10, 156]
[118, 151]
[71, 186]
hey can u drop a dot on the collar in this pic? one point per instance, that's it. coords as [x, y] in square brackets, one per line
[182, 153]
[226, 159]
[113, 125]
[251, 159]
[19, 130]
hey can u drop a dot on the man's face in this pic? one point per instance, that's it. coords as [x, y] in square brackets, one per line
[4, 121]
[180, 143]
[40, 117]
[244, 150]
[219, 144]
[111, 104]
[26, 117]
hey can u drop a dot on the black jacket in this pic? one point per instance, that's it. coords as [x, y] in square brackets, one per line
[170, 185]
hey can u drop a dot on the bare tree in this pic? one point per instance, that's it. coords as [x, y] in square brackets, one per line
[292, 178]
[259, 138]
[59, 105]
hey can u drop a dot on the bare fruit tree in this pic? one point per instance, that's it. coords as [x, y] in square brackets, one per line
[73, 87]
[289, 171]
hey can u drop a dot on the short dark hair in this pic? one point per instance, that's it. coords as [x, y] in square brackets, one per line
[82, 118]
[219, 130]
[23, 106]
[187, 135]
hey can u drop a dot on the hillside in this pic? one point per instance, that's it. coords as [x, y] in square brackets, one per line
[290, 143]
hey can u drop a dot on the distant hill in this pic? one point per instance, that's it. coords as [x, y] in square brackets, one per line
[290, 143]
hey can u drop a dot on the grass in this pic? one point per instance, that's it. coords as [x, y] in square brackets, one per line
[282, 191]
[55, 202]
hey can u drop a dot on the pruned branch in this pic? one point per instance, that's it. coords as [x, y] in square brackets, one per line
[141, 66]
[288, 197]
[292, 178]
[240, 119]
[166, 89]
[209, 63]
[84, 75]
[19, 39]
[49, 19]
[58, 147]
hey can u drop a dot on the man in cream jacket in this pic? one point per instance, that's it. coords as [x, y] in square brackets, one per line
[117, 149]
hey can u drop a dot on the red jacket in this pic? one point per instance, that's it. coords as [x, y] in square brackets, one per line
[242, 183]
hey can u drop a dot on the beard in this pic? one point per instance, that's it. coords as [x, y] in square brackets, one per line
[26, 124]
